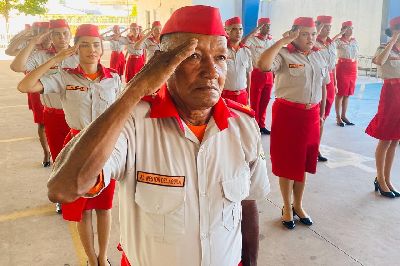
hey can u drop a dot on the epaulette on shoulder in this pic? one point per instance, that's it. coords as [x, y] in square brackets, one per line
[240, 107]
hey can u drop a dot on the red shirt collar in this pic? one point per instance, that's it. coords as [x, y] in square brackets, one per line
[292, 49]
[241, 45]
[105, 73]
[261, 37]
[327, 42]
[52, 50]
[162, 106]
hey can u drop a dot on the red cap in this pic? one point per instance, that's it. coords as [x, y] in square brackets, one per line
[156, 24]
[263, 21]
[394, 21]
[233, 21]
[87, 30]
[36, 24]
[27, 26]
[44, 25]
[325, 19]
[58, 23]
[195, 19]
[347, 24]
[304, 22]
[134, 25]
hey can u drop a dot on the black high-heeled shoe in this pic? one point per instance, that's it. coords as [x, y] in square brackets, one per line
[306, 221]
[388, 194]
[347, 122]
[339, 122]
[288, 224]
[46, 164]
[396, 193]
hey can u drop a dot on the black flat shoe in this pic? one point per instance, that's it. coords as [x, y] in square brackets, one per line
[347, 122]
[46, 164]
[306, 221]
[264, 131]
[388, 194]
[288, 224]
[322, 158]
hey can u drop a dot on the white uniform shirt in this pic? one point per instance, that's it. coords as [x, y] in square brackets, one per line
[299, 78]
[330, 49]
[151, 47]
[180, 200]
[348, 50]
[239, 66]
[38, 58]
[117, 45]
[83, 100]
[257, 46]
[391, 68]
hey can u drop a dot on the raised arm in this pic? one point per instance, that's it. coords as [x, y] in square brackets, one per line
[140, 42]
[78, 165]
[267, 57]
[31, 82]
[251, 34]
[381, 58]
[14, 46]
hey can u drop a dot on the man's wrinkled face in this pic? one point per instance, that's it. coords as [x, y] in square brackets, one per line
[235, 32]
[61, 37]
[199, 80]
[306, 39]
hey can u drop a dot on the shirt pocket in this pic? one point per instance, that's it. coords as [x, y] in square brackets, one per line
[297, 72]
[235, 190]
[162, 211]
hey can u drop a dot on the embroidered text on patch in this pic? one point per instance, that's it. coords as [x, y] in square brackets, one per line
[296, 65]
[76, 88]
[161, 180]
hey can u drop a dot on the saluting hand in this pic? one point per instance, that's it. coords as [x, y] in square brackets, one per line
[65, 53]
[161, 66]
[290, 36]
[38, 39]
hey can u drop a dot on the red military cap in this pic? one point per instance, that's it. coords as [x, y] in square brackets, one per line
[263, 21]
[304, 22]
[394, 21]
[195, 19]
[233, 21]
[36, 24]
[58, 23]
[44, 25]
[325, 19]
[347, 24]
[156, 24]
[87, 30]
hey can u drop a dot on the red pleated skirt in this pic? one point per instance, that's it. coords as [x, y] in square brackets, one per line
[386, 123]
[330, 94]
[295, 133]
[36, 106]
[117, 62]
[133, 66]
[74, 211]
[346, 75]
[56, 129]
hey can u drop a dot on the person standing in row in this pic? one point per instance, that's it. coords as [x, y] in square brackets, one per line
[117, 44]
[136, 58]
[385, 126]
[86, 92]
[150, 42]
[346, 72]
[301, 77]
[239, 64]
[261, 81]
[40, 42]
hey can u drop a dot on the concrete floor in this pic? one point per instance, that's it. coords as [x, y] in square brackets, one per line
[353, 225]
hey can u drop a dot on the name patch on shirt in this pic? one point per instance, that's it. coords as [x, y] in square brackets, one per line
[161, 180]
[296, 65]
[76, 88]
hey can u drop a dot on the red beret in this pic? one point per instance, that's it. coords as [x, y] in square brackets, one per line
[394, 21]
[156, 24]
[44, 25]
[325, 19]
[134, 25]
[263, 21]
[195, 19]
[347, 24]
[87, 30]
[304, 22]
[233, 21]
[58, 23]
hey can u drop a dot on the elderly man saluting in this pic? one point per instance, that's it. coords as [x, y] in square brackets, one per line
[186, 160]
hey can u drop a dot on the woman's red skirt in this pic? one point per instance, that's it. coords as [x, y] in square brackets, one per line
[330, 94]
[346, 75]
[295, 133]
[133, 66]
[117, 62]
[36, 106]
[74, 211]
[386, 123]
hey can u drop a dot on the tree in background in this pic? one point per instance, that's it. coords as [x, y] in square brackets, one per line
[27, 7]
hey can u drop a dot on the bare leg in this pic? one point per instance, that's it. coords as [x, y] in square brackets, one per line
[345, 104]
[391, 151]
[298, 192]
[338, 108]
[380, 158]
[86, 235]
[103, 231]
[286, 186]
[43, 142]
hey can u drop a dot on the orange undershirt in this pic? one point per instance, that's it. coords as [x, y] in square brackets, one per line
[93, 76]
[198, 131]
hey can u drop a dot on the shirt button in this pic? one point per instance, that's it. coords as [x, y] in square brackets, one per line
[201, 149]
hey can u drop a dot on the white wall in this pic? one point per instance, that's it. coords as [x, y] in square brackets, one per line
[365, 14]
[228, 8]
